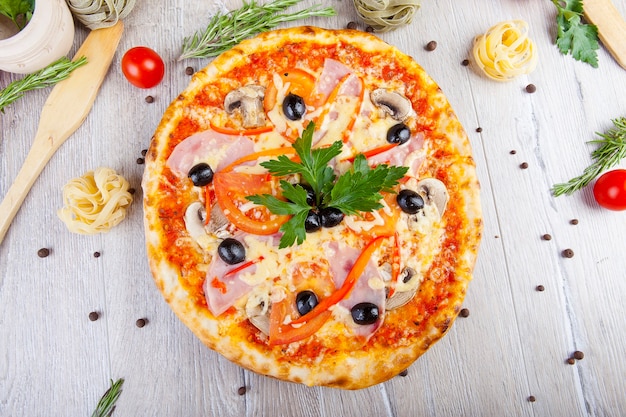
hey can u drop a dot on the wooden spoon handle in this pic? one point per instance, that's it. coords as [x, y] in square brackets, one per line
[611, 27]
[63, 112]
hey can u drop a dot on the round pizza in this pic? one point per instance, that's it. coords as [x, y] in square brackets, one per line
[312, 207]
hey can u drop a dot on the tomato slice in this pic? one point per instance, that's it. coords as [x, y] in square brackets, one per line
[231, 190]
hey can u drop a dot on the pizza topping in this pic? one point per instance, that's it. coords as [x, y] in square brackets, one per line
[312, 222]
[306, 301]
[392, 103]
[434, 192]
[399, 133]
[410, 201]
[365, 313]
[249, 100]
[402, 296]
[195, 216]
[201, 174]
[331, 216]
[216, 149]
[294, 107]
[332, 73]
[231, 251]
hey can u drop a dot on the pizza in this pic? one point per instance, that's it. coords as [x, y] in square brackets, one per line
[312, 208]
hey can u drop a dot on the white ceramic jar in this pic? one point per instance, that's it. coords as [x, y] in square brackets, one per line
[48, 36]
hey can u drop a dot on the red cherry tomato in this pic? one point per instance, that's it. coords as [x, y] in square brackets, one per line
[143, 67]
[610, 190]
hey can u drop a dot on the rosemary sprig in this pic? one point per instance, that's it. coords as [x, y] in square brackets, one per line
[226, 30]
[106, 405]
[611, 151]
[50, 75]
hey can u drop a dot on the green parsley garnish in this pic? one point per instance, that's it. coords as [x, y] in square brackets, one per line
[573, 36]
[356, 191]
[19, 11]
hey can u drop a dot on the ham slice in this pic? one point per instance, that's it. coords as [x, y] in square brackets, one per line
[221, 289]
[206, 146]
[405, 154]
[343, 258]
[332, 72]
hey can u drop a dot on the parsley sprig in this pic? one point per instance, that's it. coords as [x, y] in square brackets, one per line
[611, 151]
[355, 191]
[19, 11]
[574, 36]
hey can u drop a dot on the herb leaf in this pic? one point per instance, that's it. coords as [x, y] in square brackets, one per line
[19, 11]
[357, 190]
[573, 36]
[48, 76]
[226, 30]
[611, 151]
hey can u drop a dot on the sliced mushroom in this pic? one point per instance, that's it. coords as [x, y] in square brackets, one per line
[400, 298]
[391, 102]
[258, 311]
[195, 216]
[249, 100]
[434, 192]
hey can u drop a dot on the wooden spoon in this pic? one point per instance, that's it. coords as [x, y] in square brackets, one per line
[611, 27]
[64, 111]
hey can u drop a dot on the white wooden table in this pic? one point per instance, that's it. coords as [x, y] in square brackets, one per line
[54, 361]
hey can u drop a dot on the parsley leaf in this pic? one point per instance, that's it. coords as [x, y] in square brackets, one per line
[357, 190]
[19, 11]
[574, 36]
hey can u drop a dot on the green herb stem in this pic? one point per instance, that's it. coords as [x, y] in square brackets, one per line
[573, 36]
[611, 151]
[226, 30]
[48, 76]
[106, 405]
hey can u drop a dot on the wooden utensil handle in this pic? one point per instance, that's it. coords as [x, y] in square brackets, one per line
[611, 27]
[64, 111]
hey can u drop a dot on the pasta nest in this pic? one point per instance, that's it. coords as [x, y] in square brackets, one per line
[95, 202]
[505, 51]
[386, 15]
[96, 14]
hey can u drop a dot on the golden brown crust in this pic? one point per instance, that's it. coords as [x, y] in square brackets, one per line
[407, 332]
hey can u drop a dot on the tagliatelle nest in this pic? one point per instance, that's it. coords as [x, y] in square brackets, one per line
[386, 15]
[95, 202]
[96, 14]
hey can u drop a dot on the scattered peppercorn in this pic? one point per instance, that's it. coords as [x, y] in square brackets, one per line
[96, 254]
[189, 70]
[524, 165]
[140, 161]
[93, 316]
[404, 373]
[43, 252]
[540, 288]
[464, 312]
[149, 99]
[497, 237]
[141, 322]
[465, 62]
[144, 152]
[568, 253]
[578, 355]
[241, 390]
[571, 361]
[531, 88]
[513, 152]
[532, 399]
[431, 46]
[573, 222]
[479, 129]
[369, 29]
[131, 190]
[352, 25]
[546, 237]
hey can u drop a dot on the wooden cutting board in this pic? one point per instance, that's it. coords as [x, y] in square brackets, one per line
[611, 27]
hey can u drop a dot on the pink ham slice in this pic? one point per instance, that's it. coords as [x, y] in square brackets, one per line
[199, 146]
[343, 258]
[223, 291]
[332, 72]
[398, 154]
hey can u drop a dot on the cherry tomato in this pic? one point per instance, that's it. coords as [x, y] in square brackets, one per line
[610, 190]
[143, 67]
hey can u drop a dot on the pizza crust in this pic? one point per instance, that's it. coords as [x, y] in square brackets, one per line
[430, 313]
